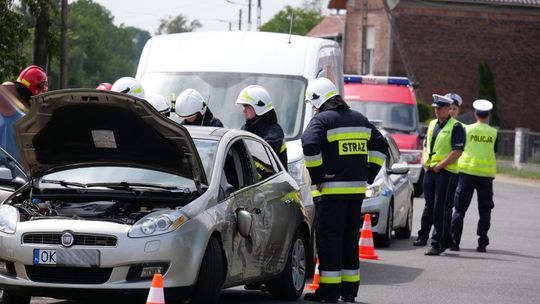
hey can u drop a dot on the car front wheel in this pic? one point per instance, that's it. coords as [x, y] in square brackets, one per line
[211, 276]
[290, 285]
[383, 240]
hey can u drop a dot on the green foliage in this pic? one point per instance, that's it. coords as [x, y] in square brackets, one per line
[99, 51]
[179, 24]
[487, 91]
[305, 18]
[12, 36]
[424, 111]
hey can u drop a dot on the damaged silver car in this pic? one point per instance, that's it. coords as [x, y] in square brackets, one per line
[116, 193]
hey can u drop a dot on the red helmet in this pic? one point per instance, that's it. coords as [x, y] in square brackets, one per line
[105, 86]
[35, 79]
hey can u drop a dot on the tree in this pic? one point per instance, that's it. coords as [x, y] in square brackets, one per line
[487, 91]
[305, 18]
[177, 25]
[12, 37]
[46, 31]
[140, 37]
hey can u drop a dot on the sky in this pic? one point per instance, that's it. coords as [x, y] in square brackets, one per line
[215, 15]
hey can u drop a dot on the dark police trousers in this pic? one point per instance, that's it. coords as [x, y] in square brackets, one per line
[337, 225]
[436, 194]
[484, 188]
[427, 215]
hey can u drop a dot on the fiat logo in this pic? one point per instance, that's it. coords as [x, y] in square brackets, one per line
[67, 239]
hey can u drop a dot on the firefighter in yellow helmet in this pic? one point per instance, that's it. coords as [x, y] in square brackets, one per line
[477, 169]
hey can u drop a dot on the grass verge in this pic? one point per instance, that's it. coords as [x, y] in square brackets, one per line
[519, 173]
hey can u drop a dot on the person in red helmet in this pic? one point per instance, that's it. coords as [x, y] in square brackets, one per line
[15, 101]
[104, 86]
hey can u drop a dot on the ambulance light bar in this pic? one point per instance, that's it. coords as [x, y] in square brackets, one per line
[377, 80]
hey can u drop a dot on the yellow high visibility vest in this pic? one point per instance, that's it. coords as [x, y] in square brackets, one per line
[442, 146]
[478, 157]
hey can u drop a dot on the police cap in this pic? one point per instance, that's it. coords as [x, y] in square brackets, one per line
[482, 106]
[440, 101]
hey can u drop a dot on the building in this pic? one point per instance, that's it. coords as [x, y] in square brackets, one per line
[440, 45]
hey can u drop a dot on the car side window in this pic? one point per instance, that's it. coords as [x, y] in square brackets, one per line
[393, 151]
[260, 160]
[236, 172]
[275, 161]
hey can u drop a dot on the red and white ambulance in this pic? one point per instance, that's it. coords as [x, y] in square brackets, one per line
[391, 100]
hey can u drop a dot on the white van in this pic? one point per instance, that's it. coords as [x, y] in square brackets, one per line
[220, 64]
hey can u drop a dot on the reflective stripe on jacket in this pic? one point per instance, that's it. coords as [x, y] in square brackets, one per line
[478, 157]
[343, 144]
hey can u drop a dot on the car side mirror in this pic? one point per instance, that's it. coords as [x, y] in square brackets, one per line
[244, 222]
[399, 169]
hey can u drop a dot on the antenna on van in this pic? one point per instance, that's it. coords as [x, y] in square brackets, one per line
[290, 27]
[206, 104]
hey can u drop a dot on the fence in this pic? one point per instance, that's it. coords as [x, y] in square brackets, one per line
[519, 148]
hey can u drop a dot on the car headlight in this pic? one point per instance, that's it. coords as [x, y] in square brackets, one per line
[9, 216]
[373, 190]
[156, 223]
[412, 157]
[297, 171]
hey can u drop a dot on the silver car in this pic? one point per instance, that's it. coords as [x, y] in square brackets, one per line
[389, 200]
[118, 193]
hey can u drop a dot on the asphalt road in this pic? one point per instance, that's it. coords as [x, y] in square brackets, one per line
[508, 273]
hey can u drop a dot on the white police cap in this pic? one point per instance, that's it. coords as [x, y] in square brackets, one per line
[482, 105]
[440, 101]
[456, 99]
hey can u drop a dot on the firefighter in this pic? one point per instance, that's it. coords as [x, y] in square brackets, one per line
[477, 169]
[343, 152]
[261, 119]
[445, 140]
[130, 86]
[104, 86]
[192, 107]
[15, 101]
[160, 103]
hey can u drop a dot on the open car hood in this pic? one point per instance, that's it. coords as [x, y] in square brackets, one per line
[86, 126]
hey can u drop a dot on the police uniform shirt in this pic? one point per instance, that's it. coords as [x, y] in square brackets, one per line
[458, 135]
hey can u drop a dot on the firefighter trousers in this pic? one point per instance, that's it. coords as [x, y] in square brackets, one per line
[337, 224]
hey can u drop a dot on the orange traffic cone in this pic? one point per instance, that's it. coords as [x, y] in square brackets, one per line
[156, 296]
[365, 244]
[316, 277]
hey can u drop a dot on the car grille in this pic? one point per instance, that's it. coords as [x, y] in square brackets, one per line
[68, 275]
[80, 239]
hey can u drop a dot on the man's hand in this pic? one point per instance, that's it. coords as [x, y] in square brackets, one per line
[437, 169]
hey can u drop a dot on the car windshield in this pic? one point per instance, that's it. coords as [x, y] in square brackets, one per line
[131, 175]
[221, 91]
[395, 117]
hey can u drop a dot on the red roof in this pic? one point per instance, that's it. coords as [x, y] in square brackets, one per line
[330, 26]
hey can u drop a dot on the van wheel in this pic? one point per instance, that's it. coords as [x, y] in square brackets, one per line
[211, 275]
[383, 240]
[11, 298]
[405, 232]
[290, 285]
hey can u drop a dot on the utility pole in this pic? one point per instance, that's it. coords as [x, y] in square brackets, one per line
[63, 46]
[363, 61]
[249, 15]
[240, 19]
[258, 15]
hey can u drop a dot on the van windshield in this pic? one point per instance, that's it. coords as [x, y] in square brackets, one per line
[221, 91]
[395, 117]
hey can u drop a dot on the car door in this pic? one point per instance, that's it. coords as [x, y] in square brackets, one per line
[400, 184]
[274, 217]
[11, 175]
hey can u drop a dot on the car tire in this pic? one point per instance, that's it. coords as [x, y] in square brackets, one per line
[405, 232]
[10, 298]
[383, 240]
[290, 285]
[211, 275]
[419, 185]
[311, 257]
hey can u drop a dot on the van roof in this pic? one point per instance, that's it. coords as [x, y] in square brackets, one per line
[233, 51]
[379, 92]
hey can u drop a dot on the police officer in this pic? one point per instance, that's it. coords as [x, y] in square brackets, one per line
[343, 153]
[192, 107]
[477, 169]
[15, 101]
[261, 119]
[456, 104]
[444, 144]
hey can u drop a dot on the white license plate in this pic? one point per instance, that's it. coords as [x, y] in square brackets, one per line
[44, 257]
[67, 257]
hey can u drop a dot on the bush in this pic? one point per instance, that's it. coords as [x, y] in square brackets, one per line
[424, 111]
